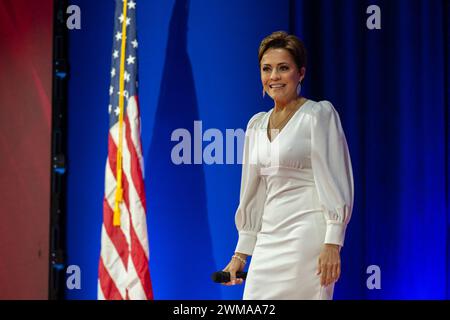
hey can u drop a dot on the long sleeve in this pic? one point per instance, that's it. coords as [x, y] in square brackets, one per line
[332, 170]
[252, 195]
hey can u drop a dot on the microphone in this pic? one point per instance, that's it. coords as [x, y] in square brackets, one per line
[222, 276]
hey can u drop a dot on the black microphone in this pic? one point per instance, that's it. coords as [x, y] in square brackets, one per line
[222, 276]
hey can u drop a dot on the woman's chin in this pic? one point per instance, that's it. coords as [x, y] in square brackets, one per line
[277, 96]
[280, 99]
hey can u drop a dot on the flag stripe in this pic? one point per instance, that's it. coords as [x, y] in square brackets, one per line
[118, 237]
[131, 197]
[135, 113]
[113, 264]
[108, 287]
[135, 288]
[110, 198]
[137, 213]
[132, 126]
[139, 261]
[99, 289]
[115, 235]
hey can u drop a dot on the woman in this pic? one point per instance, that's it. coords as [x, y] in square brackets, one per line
[297, 186]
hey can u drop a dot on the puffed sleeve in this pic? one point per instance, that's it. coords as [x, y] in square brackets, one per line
[332, 170]
[252, 194]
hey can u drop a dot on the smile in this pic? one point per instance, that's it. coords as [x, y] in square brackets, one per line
[276, 86]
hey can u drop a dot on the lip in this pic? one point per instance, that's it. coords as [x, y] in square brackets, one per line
[278, 85]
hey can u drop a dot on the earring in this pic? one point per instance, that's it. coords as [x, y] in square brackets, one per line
[264, 93]
[299, 88]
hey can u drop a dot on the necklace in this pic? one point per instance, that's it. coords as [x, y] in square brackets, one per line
[281, 124]
[271, 124]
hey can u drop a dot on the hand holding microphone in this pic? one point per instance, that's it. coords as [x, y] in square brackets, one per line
[225, 277]
[234, 269]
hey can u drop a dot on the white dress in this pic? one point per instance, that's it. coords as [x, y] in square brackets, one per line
[296, 194]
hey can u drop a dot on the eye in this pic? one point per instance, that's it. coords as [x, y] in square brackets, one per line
[265, 69]
[284, 68]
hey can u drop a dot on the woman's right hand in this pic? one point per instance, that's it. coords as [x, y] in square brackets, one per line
[232, 267]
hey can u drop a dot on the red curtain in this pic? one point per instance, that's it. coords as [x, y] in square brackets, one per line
[25, 126]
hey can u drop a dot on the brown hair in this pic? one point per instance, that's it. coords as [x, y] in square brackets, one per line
[283, 40]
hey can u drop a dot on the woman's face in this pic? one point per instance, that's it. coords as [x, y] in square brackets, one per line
[280, 75]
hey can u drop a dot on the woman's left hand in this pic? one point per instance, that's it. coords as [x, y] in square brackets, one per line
[329, 266]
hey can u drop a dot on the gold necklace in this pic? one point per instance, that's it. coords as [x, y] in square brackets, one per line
[280, 125]
[282, 121]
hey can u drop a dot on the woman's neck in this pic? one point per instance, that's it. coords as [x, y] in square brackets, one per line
[287, 105]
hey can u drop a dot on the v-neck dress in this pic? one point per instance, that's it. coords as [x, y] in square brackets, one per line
[296, 194]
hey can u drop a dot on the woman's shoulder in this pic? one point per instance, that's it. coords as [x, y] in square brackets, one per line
[256, 119]
[319, 108]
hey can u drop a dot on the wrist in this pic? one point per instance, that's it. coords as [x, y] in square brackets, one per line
[241, 255]
[239, 258]
[333, 246]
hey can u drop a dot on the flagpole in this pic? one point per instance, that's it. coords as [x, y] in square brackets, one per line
[119, 189]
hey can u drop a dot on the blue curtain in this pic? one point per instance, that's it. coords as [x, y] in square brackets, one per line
[391, 88]
[198, 62]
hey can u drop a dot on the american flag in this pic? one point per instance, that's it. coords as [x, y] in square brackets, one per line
[123, 267]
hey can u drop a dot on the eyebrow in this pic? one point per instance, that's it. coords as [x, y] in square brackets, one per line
[267, 64]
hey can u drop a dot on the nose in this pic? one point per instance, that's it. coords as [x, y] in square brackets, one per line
[274, 75]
